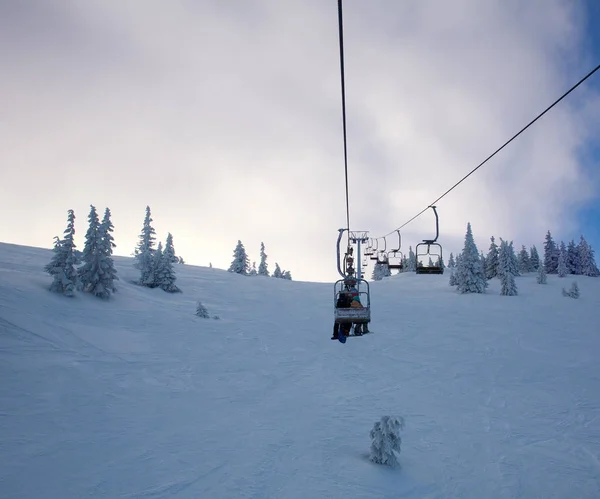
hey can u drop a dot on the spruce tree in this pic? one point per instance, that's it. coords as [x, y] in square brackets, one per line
[491, 261]
[542, 276]
[562, 269]
[240, 264]
[506, 269]
[144, 253]
[524, 261]
[62, 266]
[412, 260]
[572, 258]
[277, 271]
[286, 274]
[534, 259]
[469, 274]
[107, 265]
[550, 255]
[165, 274]
[253, 270]
[451, 263]
[90, 272]
[263, 267]
[587, 262]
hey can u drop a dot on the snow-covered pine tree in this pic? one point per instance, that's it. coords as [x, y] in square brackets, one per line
[469, 273]
[506, 269]
[240, 264]
[109, 273]
[541, 274]
[286, 274]
[451, 262]
[62, 266]
[491, 261]
[587, 262]
[377, 272]
[144, 253]
[452, 280]
[440, 263]
[550, 255]
[156, 265]
[534, 259]
[572, 258]
[386, 440]
[573, 291]
[165, 275]
[562, 260]
[412, 260]
[90, 272]
[201, 311]
[253, 270]
[483, 262]
[524, 261]
[277, 271]
[514, 261]
[430, 262]
[263, 266]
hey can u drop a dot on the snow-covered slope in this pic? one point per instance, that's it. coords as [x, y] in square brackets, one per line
[138, 397]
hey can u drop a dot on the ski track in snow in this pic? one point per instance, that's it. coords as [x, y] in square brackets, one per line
[137, 397]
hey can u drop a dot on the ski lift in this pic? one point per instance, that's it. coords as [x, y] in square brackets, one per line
[348, 320]
[437, 267]
[395, 258]
[382, 255]
[374, 250]
[369, 248]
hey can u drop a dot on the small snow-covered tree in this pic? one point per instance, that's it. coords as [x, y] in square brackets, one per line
[253, 270]
[452, 280]
[534, 259]
[469, 273]
[573, 291]
[550, 255]
[286, 274]
[277, 271]
[541, 274]
[562, 260]
[144, 252]
[524, 261]
[263, 266]
[240, 264]
[386, 440]
[491, 261]
[506, 269]
[201, 311]
[451, 262]
[62, 266]
[165, 272]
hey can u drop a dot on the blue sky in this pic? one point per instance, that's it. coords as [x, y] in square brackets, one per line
[225, 118]
[589, 215]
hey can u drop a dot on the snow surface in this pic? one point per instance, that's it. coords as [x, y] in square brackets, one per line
[138, 397]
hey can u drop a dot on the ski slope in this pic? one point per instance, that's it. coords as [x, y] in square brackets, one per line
[138, 397]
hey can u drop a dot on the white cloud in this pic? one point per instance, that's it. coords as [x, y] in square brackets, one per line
[226, 119]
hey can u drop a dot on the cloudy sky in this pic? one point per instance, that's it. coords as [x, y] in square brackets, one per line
[225, 118]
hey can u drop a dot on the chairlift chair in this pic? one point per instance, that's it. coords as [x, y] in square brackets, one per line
[395, 258]
[436, 268]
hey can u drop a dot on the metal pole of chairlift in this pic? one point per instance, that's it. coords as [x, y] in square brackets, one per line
[341, 233]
